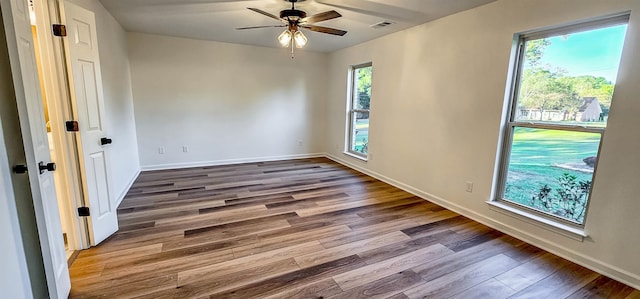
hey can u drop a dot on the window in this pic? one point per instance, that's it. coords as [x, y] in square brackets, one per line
[564, 82]
[359, 101]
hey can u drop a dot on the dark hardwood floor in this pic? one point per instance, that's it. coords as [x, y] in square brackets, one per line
[311, 228]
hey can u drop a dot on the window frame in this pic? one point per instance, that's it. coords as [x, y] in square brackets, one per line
[511, 123]
[351, 112]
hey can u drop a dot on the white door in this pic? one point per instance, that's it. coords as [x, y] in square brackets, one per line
[14, 279]
[86, 81]
[29, 99]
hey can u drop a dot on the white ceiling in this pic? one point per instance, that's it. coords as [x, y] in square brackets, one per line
[216, 20]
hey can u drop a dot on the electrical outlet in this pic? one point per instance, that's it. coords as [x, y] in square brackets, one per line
[469, 186]
[185, 149]
[161, 150]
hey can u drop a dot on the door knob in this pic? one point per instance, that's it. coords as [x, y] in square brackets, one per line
[46, 167]
[105, 140]
[20, 169]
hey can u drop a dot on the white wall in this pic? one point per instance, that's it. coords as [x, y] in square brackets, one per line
[118, 99]
[226, 103]
[437, 102]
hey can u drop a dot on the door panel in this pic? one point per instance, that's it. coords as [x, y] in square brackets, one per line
[89, 106]
[50, 203]
[90, 95]
[31, 111]
[99, 172]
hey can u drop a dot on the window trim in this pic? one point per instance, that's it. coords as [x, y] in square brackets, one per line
[351, 111]
[498, 201]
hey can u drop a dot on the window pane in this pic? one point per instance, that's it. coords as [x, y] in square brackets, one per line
[552, 170]
[360, 134]
[569, 79]
[362, 88]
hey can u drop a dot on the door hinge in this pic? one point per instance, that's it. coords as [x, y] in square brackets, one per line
[72, 126]
[83, 211]
[59, 30]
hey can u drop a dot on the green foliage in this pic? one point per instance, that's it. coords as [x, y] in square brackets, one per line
[590, 86]
[535, 51]
[569, 201]
[364, 148]
[364, 87]
[546, 90]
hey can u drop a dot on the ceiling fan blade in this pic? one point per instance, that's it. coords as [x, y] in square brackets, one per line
[324, 30]
[256, 27]
[323, 16]
[265, 13]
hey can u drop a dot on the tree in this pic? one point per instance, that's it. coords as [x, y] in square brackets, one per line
[364, 87]
[545, 90]
[535, 51]
[590, 86]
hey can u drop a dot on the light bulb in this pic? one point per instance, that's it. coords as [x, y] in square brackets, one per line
[285, 38]
[300, 39]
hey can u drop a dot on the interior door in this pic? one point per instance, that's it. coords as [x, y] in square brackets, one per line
[87, 91]
[17, 25]
[14, 279]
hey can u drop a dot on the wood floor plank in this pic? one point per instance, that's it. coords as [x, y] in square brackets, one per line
[295, 279]
[247, 262]
[634, 295]
[531, 272]
[383, 287]
[275, 240]
[463, 259]
[388, 267]
[491, 288]
[560, 284]
[126, 275]
[345, 250]
[311, 228]
[603, 287]
[458, 281]
[320, 289]
[235, 279]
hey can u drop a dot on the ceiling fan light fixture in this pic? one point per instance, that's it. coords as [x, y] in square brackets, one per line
[299, 39]
[285, 38]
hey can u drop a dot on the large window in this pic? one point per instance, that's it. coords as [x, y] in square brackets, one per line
[561, 97]
[359, 101]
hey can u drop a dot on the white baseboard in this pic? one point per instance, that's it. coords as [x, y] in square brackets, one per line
[611, 271]
[230, 161]
[126, 189]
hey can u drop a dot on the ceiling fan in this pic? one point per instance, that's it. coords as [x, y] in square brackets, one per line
[295, 19]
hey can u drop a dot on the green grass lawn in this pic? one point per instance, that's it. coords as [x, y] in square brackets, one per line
[535, 158]
[362, 134]
[536, 155]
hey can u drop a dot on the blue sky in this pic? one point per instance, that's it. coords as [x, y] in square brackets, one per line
[595, 52]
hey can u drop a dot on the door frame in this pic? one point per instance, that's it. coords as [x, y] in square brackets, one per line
[55, 68]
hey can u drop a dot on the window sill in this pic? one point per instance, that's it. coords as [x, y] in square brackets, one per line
[356, 156]
[577, 234]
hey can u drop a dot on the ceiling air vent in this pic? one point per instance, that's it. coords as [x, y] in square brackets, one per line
[381, 24]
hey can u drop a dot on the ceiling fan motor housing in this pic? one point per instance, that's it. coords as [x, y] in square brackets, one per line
[293, 14]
